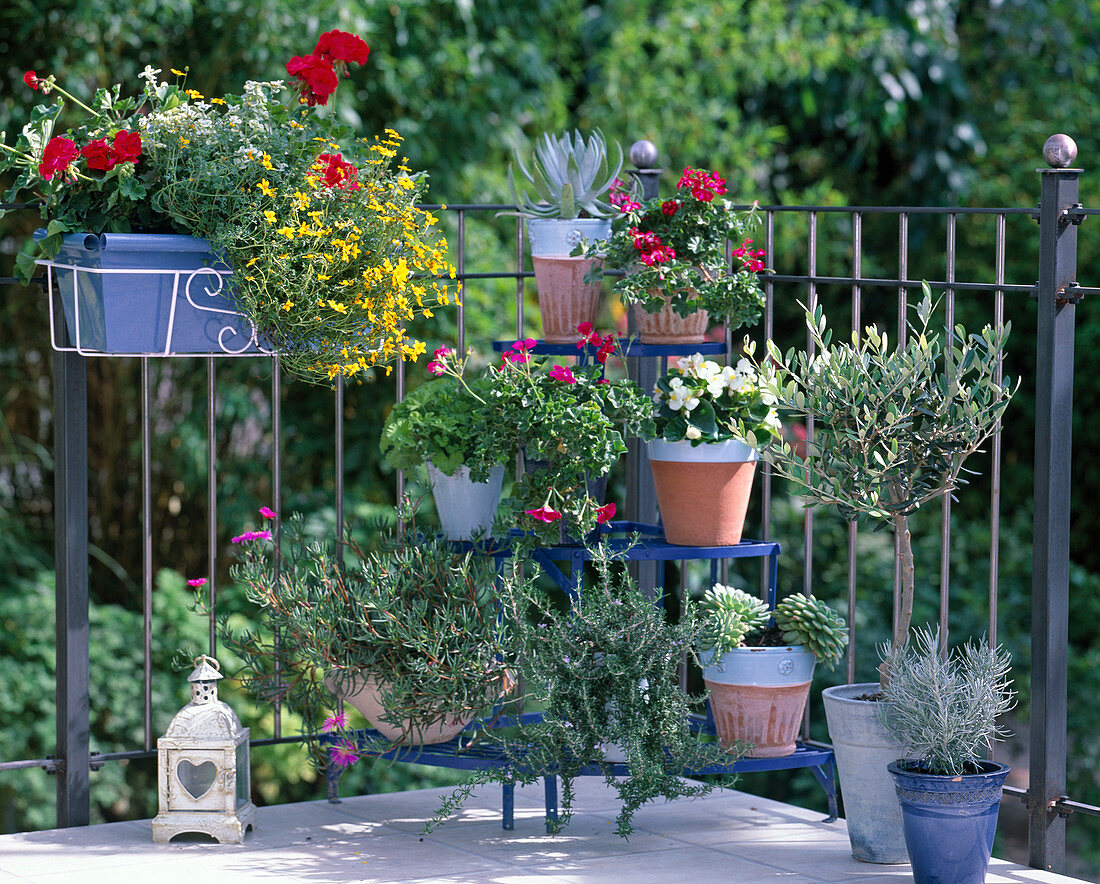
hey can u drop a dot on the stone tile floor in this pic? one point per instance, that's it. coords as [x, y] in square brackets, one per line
[728, 836]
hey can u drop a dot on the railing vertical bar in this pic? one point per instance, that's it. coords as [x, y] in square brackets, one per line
[995, 452]
[903, 330]
[277, 495]
[808, 517]
[73, 691]
[857, 310]
[519, 279]
[146, 558]
[460, 247]
[945, 529]
[212, 501]
[338, 430]
[769, 333]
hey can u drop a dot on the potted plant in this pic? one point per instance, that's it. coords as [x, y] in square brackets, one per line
[572, 423]
[673, 253]
[892, 429]
[605, 673]
[943, 709]
[561, 197]
[453, 429]
[407, 632]
[702, 467]
[758, 664]
[327, 248]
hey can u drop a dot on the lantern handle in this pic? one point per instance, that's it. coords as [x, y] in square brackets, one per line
[198, 661]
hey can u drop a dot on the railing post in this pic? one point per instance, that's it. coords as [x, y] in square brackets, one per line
[641, 496]
[1050, 579]
[70, 415]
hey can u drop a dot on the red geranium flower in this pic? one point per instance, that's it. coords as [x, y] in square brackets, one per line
[338, 172]
[605, 513]
[317, 79]
[57, 156]
[342, 46]
[99, 155]
[126, 147]
[669, 207]
[31, 79]
[563, 374]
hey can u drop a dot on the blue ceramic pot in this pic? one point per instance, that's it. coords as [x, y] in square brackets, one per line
[949, 821]
[155, 294]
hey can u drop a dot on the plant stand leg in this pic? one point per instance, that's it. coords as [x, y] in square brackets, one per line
[825, 774]
[551, 786]
[508, 800]
[332, 784]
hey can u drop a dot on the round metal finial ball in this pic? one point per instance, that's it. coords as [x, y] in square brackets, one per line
[1059, 151]
[643, 154]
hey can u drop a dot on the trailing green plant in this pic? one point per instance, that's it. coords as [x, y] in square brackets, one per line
[674, 250]
[605, 671]
[568, 175]
[892, 425]
[732, 618]
[450, 424]
[943, 707]
[702, 401]
[414, 613]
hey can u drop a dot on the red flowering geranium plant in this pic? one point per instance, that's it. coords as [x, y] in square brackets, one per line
[676, 248]
[331, 256]
[571, 421]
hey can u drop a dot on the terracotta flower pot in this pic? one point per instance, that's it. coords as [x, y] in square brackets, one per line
[702, 491]
[758, 695]
[565, 299]
[669, 327]
[365, 694]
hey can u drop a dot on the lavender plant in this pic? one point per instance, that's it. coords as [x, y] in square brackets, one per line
[943, 708]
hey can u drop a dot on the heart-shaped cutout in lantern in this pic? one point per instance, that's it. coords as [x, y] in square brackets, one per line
[196, 778]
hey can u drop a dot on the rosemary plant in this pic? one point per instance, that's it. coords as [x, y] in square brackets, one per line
[604, 671]
[943, 708]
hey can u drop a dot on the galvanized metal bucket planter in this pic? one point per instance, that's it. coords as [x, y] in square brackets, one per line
[863, 748]
[465, 508]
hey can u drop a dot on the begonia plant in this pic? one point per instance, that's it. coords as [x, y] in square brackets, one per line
[331, 255]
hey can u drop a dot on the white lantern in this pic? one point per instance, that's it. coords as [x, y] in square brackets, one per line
[202, 766]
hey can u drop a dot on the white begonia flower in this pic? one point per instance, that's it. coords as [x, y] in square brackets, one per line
[717, 384]
[693, 433]
[745, 367]
[690, 365]
[682, 397]
[772, 420]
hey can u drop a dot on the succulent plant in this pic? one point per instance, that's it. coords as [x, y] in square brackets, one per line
[730, 614]
[808, 621]
[568, 175]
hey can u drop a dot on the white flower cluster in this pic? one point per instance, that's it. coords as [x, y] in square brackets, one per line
[698, 374]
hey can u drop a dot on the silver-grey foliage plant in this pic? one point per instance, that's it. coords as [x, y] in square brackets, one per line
[892, 425]
[943, 708]
[568, 175]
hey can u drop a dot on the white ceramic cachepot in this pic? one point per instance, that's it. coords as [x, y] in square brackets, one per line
[758, 696]
[863, 748]
[465, 508]
[565, 299]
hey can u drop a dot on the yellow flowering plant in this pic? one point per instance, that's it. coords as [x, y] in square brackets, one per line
[331, 256]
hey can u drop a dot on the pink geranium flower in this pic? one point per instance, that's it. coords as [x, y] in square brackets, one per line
[563, 374]
[544, 514]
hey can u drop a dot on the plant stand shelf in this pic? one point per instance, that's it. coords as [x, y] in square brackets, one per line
[629, 541]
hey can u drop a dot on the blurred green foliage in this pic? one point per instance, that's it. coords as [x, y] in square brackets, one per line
[800, 102]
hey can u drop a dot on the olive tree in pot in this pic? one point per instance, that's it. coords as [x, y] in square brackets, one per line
[943, 710]
[758, 664]
[892, 429]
